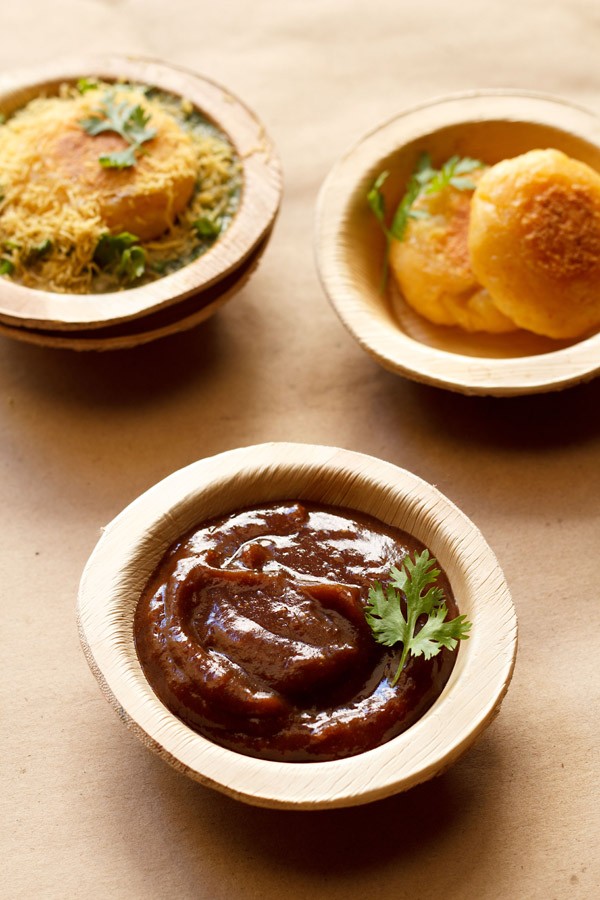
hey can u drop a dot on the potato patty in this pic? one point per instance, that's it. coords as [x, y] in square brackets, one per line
[432, 267]
[534, 242]
[143, 199]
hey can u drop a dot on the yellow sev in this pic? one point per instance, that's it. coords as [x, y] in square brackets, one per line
[52, 199]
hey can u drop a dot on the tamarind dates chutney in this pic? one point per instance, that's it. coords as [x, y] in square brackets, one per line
[252, 631]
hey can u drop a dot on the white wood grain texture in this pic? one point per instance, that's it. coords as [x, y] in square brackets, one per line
[132, 545]
[489, 125]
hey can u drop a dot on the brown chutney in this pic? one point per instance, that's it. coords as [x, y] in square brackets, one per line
[252, 631]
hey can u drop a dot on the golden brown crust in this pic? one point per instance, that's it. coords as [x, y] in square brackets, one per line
[143, 199]
[534, 241]
[561, 230]
[432, 267]
[457, 247]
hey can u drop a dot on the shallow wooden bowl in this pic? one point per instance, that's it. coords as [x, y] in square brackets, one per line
[487, 125]
[248, 232]
[132, 545]
[182, 316]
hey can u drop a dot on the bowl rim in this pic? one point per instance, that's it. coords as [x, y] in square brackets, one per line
[259, 202]
[133, 543]
[385, 341]
[133, 333]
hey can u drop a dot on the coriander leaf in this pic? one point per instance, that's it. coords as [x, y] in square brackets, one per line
[424, 171]
[125, 119]
[385, 616]
[414, 585]
[135, 126]
[86, 84]
[462, 184]
[424, 180]
[133, 263]
[440, 179]
[466, 164]
[35, 254]
[415, 577]
[116, 113]
[95, 125]
[110, 247]
[418, 214]
[420, 177]
[452, 173]
[120, 159]
[207, 227]
[436, 633]
[121, 255]
[376, 199]
[6, 266]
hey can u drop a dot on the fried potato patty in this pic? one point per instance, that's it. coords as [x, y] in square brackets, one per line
[534, 242]
[431, 265]
[143, 199]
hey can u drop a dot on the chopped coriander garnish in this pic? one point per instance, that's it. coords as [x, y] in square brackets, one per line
[126, 119]
[110, 248]
[87, 84]
[120, 253]
[454, 172]
[120, 159]
[207, 227]
[132, 264]
[424, 180]
[7, 265]
[413, 584]
[35, 254]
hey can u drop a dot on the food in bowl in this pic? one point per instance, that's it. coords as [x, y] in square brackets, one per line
[431, 262]
[514, 245]
[534, 242]
[129, 553]
[110, 185]
[274, 631]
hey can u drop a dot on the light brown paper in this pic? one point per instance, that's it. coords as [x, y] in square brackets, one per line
[86, 810]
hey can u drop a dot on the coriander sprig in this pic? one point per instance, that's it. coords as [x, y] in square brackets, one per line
[414, 583]
[424, 180]
[126, 119]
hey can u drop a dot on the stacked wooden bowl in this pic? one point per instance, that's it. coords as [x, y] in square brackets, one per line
[185, 298]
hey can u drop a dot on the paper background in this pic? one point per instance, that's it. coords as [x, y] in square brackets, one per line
[87, 811]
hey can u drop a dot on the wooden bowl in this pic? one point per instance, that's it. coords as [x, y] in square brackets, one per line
[182, 316]
[248, 232]
[487, 125]
[132, 545]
